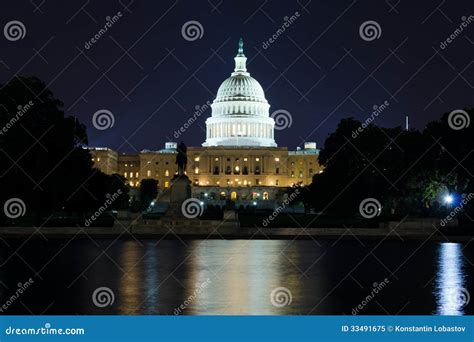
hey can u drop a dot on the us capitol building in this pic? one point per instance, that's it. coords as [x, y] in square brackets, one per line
[239, 160]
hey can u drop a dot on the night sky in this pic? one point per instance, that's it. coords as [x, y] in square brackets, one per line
[320, 70]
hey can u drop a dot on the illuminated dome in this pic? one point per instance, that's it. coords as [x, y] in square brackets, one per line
[240, 115]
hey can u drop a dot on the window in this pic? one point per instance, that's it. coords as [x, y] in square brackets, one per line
[301, 174]
[217, 159]
[277, 182]
[196, 170]
[216, 170]
[167, 184]
[196, 159]
[136, 174]
[257, 159]
[277, 170]
[222, 195]
[245, 159]
[265, 196]
[277, 159]
[125, 174]
[257, 170]
[148, 173]
[292, 174]
[167, 173]
[98, 159]
[236, 170]
[228, 170]
[245, 171]
[310, 171]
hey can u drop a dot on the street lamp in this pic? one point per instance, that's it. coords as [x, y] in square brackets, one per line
[448, 199]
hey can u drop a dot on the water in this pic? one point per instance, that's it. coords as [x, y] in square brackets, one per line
[236, 277]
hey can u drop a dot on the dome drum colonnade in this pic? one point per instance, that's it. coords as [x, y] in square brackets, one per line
[240, 112]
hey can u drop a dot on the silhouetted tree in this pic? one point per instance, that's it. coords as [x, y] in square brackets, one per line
[43, 160]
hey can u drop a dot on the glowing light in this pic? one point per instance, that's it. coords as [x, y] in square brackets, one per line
[448, 199]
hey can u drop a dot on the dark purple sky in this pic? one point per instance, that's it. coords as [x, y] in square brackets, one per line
[320, 69]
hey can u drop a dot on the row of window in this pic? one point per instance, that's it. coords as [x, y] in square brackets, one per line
[228, 171]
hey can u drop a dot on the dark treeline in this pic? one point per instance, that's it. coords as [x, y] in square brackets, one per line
[42, 159]
[408, 172]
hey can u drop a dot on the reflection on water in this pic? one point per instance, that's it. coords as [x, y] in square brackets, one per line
[237, 277]
[239, 281]
[450, 286]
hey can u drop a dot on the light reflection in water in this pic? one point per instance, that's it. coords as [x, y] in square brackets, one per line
[241, 279]
[450, 280]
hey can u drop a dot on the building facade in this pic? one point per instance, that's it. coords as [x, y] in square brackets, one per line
[239, 159]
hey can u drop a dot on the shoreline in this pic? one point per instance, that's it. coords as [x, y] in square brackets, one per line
[227, 233]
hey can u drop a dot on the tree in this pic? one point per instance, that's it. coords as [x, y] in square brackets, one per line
[43, 159]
